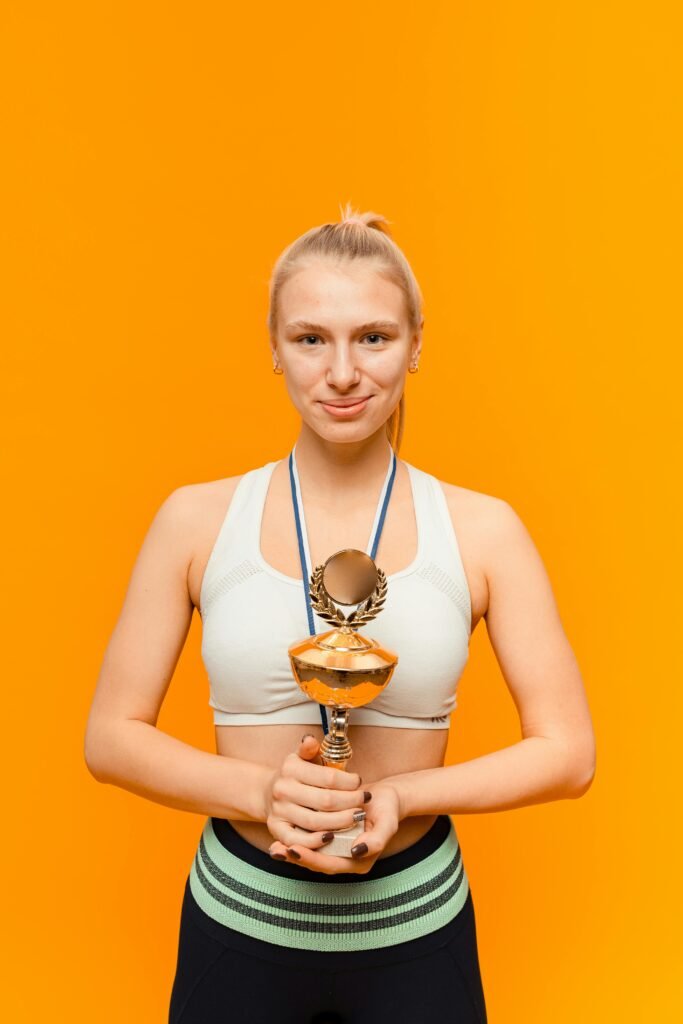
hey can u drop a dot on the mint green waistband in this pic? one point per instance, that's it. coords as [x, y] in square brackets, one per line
[302, 914]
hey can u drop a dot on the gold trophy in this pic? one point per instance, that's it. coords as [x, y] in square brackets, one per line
[341, 668]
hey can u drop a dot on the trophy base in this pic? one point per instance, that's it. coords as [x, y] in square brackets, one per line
[343, 841]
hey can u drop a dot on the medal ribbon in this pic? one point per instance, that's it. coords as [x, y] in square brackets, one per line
[302, 536]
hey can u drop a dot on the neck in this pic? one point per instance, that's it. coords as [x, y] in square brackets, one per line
[356, 467]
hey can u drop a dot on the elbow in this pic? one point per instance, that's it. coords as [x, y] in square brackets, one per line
[94, 750]
[93, 765]
[582, 784]
[582, 771]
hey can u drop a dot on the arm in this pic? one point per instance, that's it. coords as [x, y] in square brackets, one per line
[123, 746]
[554, 760]
[556, 757]
[139, 757]
[533, 771]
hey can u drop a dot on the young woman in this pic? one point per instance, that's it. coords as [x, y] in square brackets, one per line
[272, 929]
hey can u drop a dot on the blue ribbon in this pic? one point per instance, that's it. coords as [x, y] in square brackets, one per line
[373, 545]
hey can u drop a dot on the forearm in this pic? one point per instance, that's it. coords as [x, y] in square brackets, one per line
[141, 758]
[534, 770]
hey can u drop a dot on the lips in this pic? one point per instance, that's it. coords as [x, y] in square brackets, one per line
[347, 409]
[344, 403]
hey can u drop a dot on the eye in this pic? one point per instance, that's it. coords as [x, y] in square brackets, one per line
[304, 339]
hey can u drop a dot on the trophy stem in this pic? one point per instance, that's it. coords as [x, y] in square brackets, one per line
[335, 749]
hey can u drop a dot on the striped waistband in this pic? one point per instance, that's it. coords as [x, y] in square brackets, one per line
[402, 897]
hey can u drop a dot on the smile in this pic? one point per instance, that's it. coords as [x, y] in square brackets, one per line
[345, 412]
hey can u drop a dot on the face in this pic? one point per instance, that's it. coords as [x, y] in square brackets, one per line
[345, 345]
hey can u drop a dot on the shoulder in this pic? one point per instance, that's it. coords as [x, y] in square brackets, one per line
[201, 508]
[196, 504]
[485, 513]
[489, 521]
[458, 496]
[194, 514]
[502, 539]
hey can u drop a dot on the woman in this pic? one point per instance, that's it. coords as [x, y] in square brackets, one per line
[274, 928]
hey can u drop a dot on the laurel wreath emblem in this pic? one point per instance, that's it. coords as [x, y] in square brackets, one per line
[365, 612]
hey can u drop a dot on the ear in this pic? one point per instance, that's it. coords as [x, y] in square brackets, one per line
[416, 344]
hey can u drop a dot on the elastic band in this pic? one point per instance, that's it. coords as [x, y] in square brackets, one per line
[331, 912]
[234, 843]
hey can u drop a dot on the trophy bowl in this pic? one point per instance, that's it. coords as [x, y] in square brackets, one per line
[341, 668]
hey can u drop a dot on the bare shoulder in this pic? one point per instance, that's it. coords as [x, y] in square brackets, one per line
[475, 515]
[198, 498]
[471, 514]
[184, 509]
[202, 507]
[504, 555]
[486, 521]
[466, 503]
[476, 518]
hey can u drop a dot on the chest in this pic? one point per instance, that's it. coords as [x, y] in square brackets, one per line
[331, 526]
[245, 653]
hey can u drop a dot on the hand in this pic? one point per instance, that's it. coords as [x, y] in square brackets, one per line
[382, 817]
[304, 794]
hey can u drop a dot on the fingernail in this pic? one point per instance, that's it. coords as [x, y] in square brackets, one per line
[306, 736]
[278, 856]
[358, 815]
[294, 853]
[328, 837]
[359, 850]
[366, 796]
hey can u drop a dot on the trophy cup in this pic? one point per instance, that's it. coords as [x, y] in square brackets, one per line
[341, 668]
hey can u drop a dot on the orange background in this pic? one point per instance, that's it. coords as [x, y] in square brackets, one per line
[156, 159]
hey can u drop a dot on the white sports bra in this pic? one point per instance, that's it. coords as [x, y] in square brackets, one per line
[251, 613]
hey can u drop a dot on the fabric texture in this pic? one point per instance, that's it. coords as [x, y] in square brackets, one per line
[252, 613]
[394, 902]
[230, 975]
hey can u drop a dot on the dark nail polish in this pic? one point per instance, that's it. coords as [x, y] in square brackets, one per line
[295, 854]
[359, 815]
[278, 856]
[328, 837]
[367, 796]
[359, 850]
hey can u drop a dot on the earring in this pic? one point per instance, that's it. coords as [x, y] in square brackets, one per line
[277, 368]
[413, 369]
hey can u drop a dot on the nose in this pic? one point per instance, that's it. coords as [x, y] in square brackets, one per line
[342, 372]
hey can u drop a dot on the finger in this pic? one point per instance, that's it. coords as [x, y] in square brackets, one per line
[290, 834]
[309, 748]
[320, 775]
[371, 842]
[318, 799]
[325, 863]
[319, 821]
[286, 834]
[278, 850]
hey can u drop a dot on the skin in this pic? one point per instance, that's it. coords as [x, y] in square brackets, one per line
[347, 459]
[278, 787]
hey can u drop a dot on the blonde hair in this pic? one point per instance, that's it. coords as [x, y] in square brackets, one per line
[355, 236]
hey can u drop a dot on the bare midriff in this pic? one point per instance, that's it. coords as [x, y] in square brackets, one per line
[378, 753]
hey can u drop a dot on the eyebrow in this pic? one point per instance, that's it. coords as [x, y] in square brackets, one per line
[306, 325]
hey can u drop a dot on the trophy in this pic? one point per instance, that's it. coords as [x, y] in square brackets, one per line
[341, 668]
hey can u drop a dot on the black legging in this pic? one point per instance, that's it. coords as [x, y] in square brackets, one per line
[225, 977]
